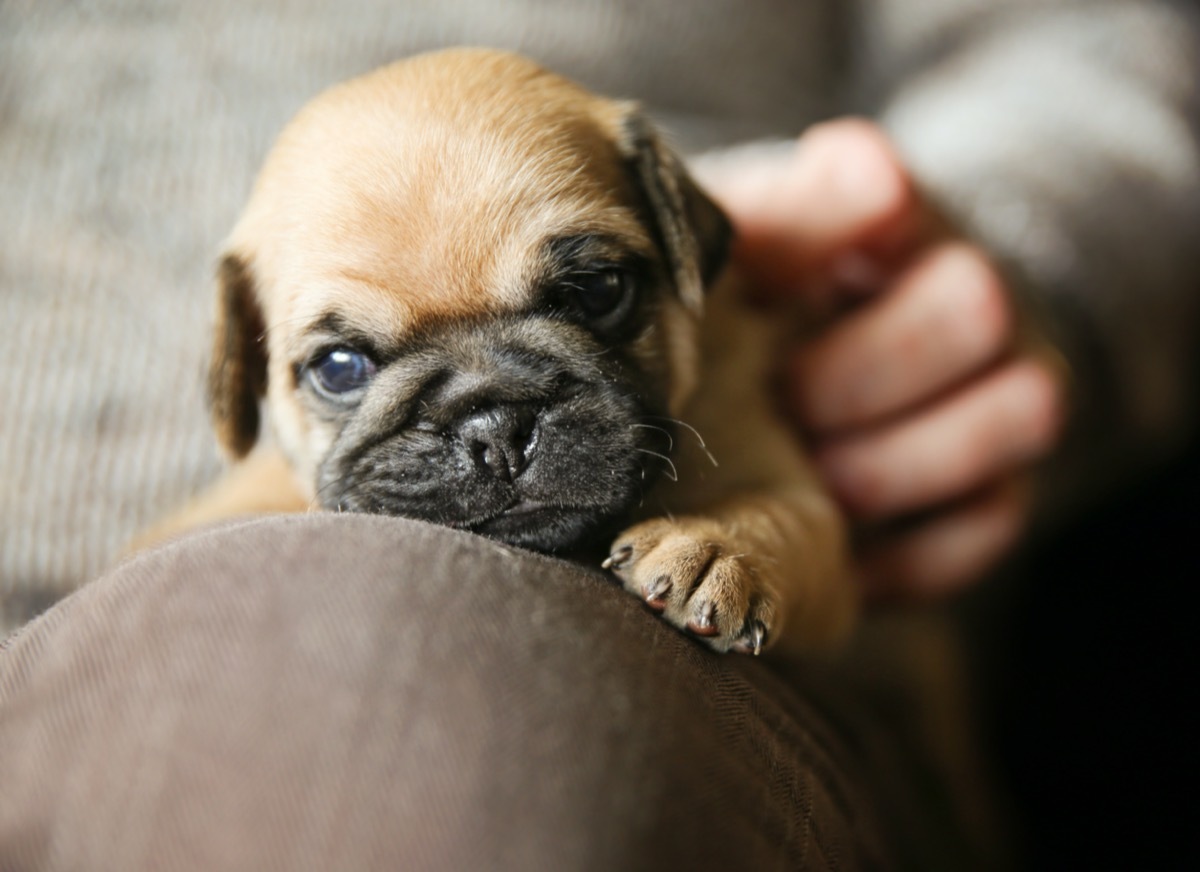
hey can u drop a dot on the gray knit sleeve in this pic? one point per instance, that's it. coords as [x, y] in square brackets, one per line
[1063, 138]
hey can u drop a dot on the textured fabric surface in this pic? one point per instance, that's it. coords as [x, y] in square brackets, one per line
[348, 692]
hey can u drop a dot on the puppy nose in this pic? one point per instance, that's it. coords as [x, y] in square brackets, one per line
[499, 438]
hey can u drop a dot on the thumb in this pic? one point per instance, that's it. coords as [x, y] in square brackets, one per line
[795, 211]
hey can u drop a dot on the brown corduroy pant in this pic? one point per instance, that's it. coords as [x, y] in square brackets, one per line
[349, 692]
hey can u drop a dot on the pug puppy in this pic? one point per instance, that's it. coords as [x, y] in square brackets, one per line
[468, 291]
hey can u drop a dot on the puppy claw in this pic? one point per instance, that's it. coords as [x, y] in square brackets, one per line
[656, 593]
[753, 637]
[705, 621]
[618, 558]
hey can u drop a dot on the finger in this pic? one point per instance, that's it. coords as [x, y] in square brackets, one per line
[997, 424]
[946, 318]
[796, 211]
[949, 552]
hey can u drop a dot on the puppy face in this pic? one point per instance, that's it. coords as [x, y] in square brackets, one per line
[479, 287]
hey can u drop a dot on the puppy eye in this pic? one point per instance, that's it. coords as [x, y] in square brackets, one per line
[341, 371]
[602, 295]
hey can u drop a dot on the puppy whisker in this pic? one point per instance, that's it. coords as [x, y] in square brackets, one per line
[694, 431]
[673, 474]
[320, 491]
[663, 430]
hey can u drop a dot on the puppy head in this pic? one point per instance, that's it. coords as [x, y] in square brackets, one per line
[468, 291]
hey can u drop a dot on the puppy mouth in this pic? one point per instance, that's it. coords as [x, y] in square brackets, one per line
[525, 507]
[520, 514]
[569, 494]
[551, 528]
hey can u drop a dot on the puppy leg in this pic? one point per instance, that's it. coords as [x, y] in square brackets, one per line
[748, 547]
[263, 483]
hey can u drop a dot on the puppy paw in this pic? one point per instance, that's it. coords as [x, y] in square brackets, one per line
[693, 573]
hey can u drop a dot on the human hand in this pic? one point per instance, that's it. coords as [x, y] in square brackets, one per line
[924, 412]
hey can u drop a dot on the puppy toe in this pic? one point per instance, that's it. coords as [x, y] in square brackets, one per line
[660, 565]
[620, 556]
[656, 592]
[755, 633]
[718, 607]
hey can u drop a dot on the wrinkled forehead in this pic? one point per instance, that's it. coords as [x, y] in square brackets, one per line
[433, 205]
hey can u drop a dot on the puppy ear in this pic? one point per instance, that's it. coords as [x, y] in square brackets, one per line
[237, 374]
[694, 232]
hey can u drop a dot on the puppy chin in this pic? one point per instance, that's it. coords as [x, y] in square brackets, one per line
[551, 529]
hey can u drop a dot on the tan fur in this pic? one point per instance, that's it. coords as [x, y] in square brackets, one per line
[415, 196]
[263, 483]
